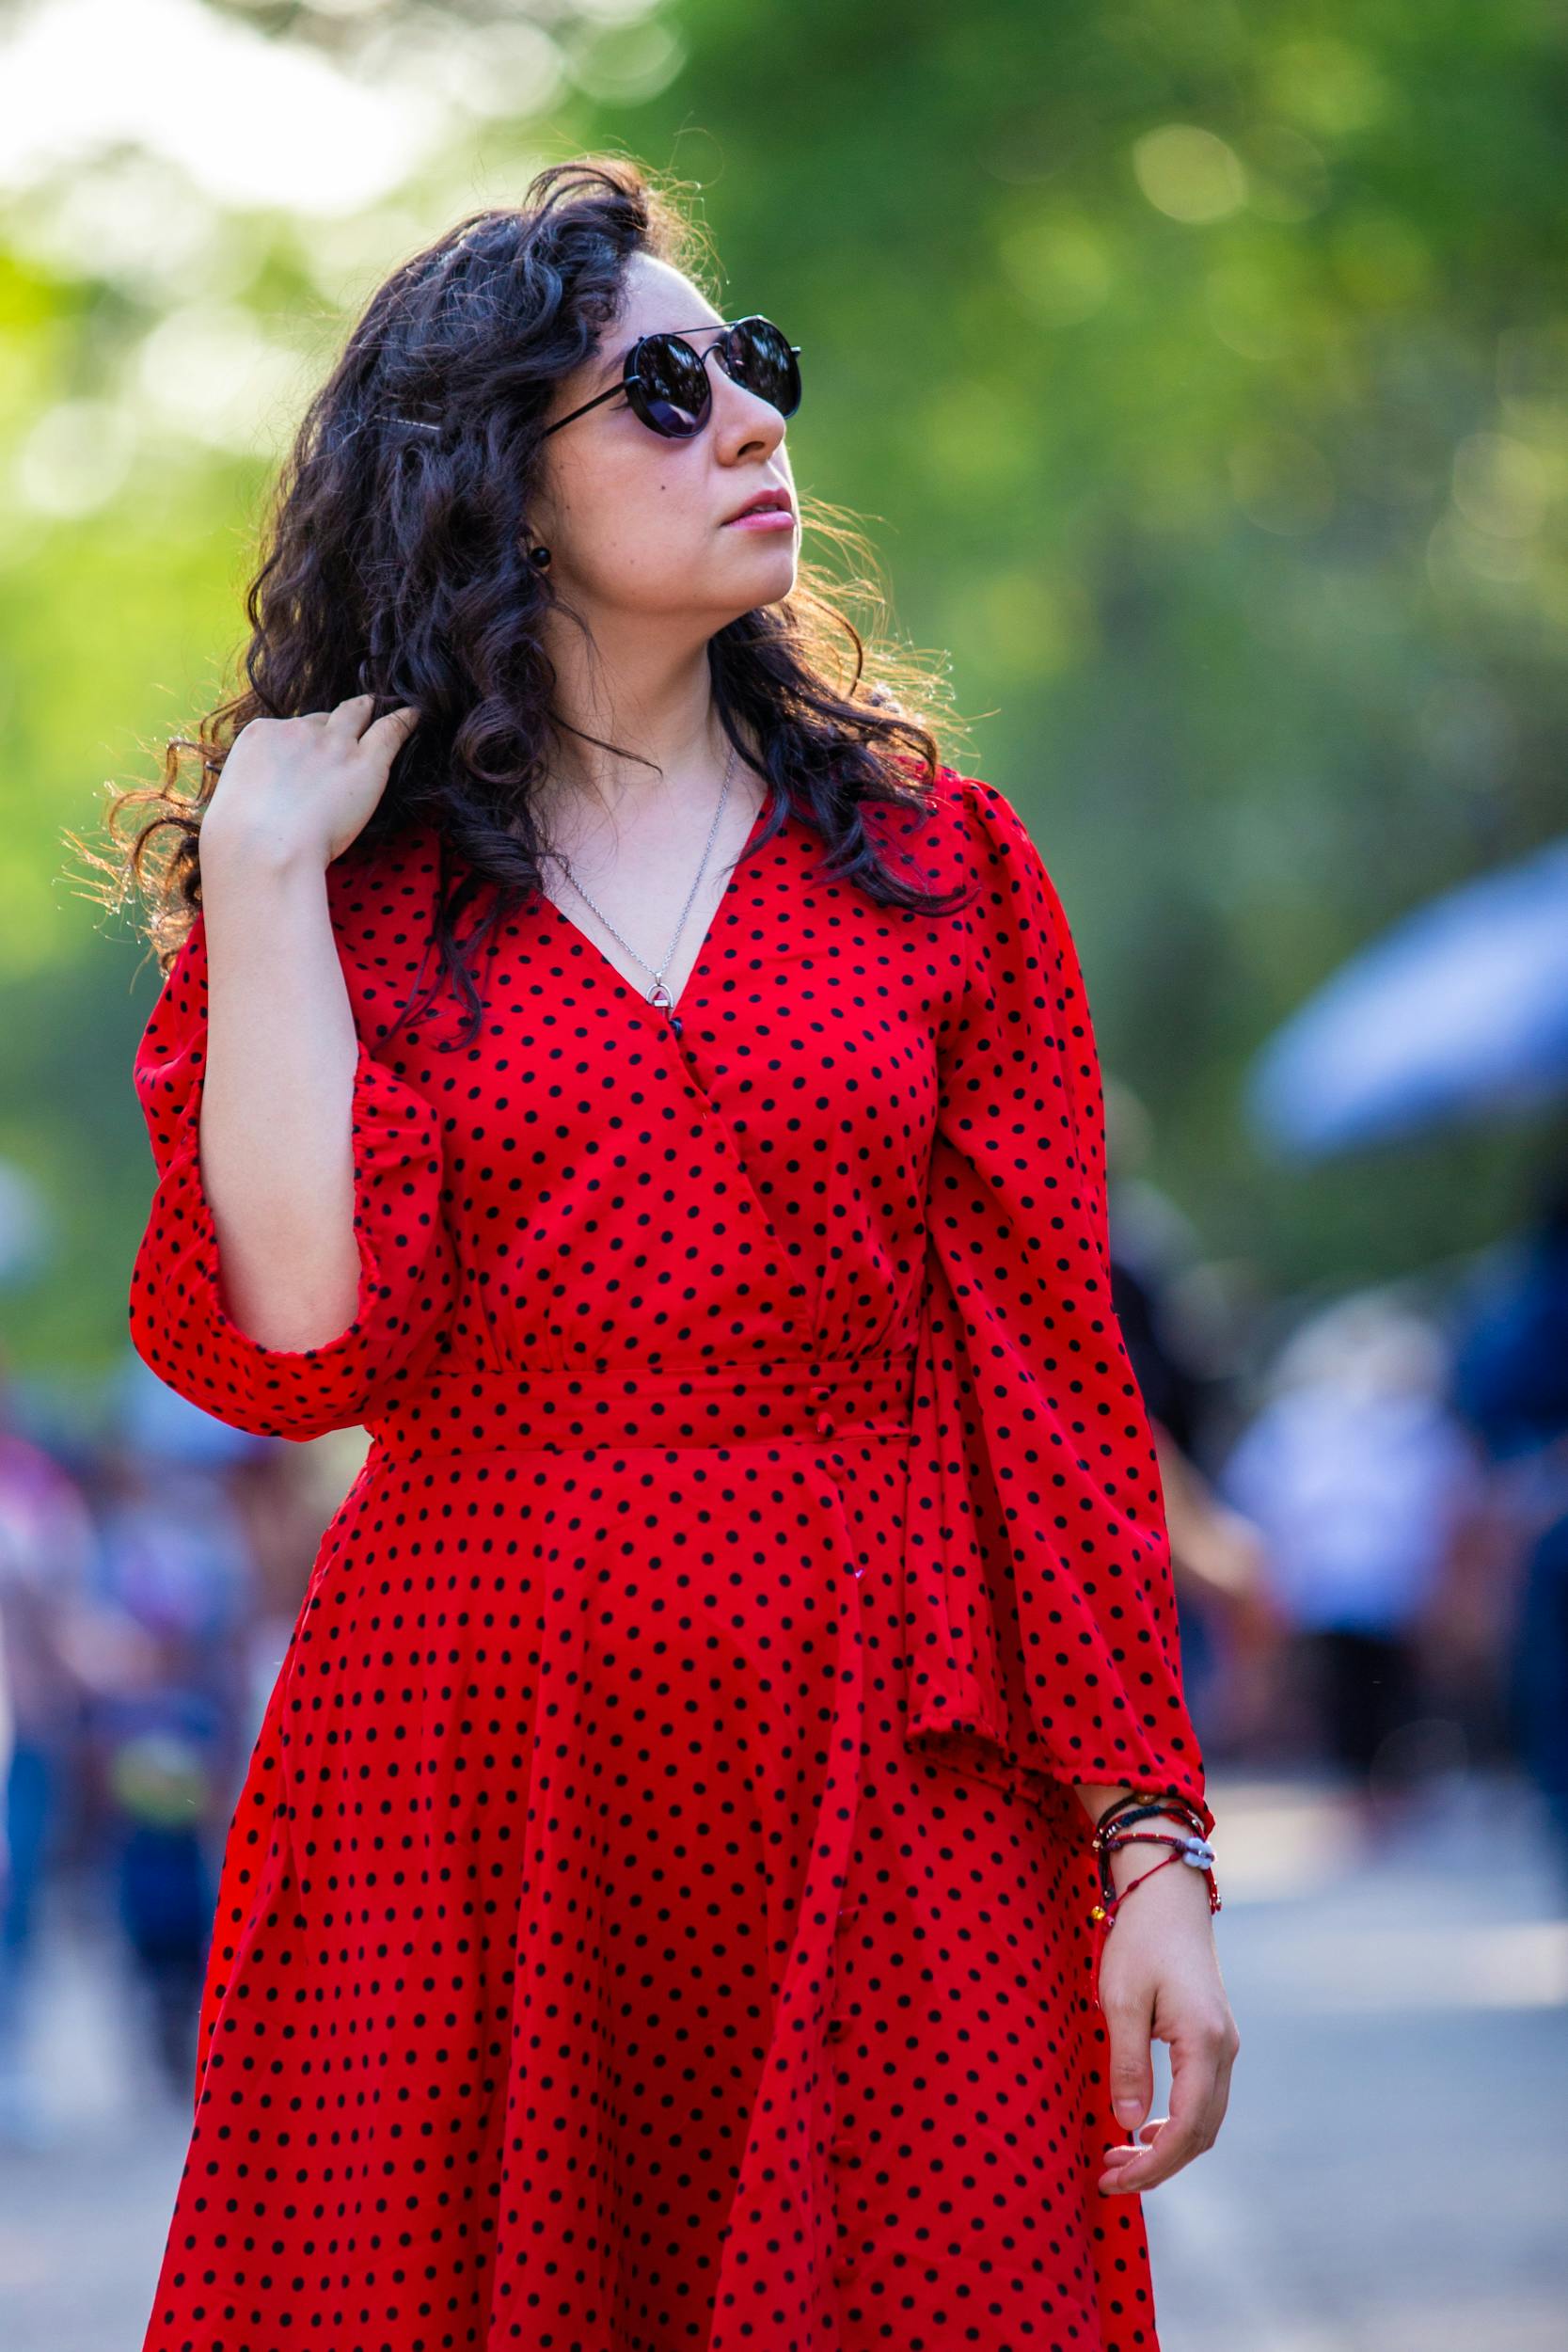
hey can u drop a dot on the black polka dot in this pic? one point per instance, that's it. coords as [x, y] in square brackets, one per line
[656, 1915]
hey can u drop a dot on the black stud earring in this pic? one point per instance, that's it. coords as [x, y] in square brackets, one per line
[540, 557]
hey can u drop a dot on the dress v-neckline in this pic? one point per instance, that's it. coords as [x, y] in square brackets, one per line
[672, 1015]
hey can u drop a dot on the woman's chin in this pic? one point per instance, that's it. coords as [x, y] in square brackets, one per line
[771, 555]
[771, 565]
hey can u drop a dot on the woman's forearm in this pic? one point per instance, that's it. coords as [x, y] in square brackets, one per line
[276, 1132]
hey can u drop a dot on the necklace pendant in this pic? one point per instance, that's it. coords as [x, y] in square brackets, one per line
[659, 996]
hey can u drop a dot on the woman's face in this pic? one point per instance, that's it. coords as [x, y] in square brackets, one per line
[637, 525]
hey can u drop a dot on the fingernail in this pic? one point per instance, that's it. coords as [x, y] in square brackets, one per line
[1128, 2110]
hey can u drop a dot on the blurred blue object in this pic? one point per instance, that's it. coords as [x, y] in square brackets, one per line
[155, 1418]
[1461, 1008]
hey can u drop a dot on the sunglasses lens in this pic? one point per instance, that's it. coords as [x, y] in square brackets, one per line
[757, 355]
[672, 390]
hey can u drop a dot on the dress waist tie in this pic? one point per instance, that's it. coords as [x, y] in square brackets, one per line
[481, 1408]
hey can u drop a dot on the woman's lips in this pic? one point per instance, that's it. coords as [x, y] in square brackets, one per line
[763, 519]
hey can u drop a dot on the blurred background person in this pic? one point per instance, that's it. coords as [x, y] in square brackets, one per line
[1511, 1384]
[47, 1561]
[167, 1724]
[1364, 1485]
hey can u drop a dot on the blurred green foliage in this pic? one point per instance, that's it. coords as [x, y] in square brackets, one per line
[1203, 375]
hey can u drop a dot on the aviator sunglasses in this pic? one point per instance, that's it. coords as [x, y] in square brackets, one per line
[666, 381]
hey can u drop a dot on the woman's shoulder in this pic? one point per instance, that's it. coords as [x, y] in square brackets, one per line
[966, 828]
[991, 823]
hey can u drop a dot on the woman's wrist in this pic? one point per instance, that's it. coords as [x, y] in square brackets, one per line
[249, 850]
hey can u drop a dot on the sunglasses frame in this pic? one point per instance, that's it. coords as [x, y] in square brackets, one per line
[629, 375]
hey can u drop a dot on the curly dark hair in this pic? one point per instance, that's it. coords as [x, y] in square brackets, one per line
[395, 565]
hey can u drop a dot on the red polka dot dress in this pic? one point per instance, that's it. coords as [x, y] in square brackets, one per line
[655, 1915]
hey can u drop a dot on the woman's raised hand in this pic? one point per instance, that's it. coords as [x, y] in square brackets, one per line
[300, 790]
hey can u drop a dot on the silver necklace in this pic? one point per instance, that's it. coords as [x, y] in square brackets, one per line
[660, 995]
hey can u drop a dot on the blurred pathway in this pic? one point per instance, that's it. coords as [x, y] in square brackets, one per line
[1392, 2176]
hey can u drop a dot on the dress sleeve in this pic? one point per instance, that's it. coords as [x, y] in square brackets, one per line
[179, 1320]
[1042, 1630]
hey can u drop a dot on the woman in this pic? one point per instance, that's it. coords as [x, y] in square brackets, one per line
[658, 1099]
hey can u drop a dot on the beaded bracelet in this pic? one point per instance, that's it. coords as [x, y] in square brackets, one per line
[1112, 1831]
[1135, 1806]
